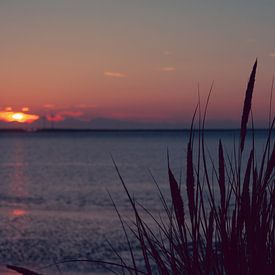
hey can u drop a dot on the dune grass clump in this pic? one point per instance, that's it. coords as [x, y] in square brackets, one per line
[229, 231]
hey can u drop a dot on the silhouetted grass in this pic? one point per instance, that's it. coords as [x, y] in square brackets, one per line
[229, 231]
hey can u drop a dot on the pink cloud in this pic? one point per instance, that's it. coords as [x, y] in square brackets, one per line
[60, 116]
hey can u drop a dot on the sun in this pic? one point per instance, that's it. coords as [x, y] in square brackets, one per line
[19, 117]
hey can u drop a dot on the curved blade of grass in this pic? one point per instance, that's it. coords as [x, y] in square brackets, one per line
[125, 232]
[138, 220]
[22, 270]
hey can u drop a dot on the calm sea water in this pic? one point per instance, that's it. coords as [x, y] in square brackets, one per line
[54, 203]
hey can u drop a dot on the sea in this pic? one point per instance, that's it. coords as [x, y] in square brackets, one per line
[57, 187]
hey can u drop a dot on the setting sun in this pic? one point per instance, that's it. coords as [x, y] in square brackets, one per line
[19, 117]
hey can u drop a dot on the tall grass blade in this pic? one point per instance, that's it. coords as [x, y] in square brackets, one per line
[221, 176]
[190, 182]
[247, 105]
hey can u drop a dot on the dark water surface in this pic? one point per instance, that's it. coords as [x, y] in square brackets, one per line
[53, 190]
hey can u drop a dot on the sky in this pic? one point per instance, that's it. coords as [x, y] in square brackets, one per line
[140, 61]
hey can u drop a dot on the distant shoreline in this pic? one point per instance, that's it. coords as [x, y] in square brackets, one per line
[48, 130]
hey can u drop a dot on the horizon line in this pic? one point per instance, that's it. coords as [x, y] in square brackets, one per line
[39, 130]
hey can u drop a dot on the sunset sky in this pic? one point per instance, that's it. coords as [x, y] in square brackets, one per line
[134, 60]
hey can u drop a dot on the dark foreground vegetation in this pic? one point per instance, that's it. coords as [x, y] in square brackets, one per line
[227, 223]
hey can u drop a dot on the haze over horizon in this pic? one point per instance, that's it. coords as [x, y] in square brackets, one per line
[139, 62]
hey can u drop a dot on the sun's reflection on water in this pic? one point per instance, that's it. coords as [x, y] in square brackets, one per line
[18, 212]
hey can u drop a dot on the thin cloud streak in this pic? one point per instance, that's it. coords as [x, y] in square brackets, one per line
[115, 74]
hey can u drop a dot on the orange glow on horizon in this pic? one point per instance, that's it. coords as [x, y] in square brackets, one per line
[19, 117]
